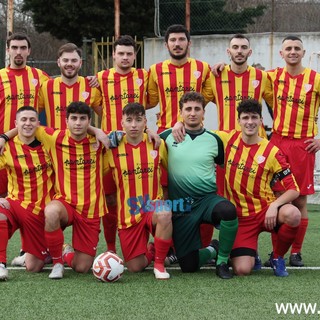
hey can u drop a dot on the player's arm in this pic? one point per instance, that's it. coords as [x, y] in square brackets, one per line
[4, 137]
[207, 90]
[152, 91]
[217, 68]
[312, 145]
[100, 135]
[93, 81]
[153, 136]
[179, 132]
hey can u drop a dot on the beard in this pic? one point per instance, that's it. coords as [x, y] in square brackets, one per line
[239, 63]
[70, 75]
[180, 56]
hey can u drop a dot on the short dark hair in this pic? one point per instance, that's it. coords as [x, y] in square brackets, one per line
[26, 108]
[239, 36]
[176, 28]
[69, 47]
[18, 36]
[125, 40]
[192, 96]
[78, 107]
[249, 106]
[134, 109]
[292, 37]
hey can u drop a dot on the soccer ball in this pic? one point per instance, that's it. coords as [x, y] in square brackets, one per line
[108, 267]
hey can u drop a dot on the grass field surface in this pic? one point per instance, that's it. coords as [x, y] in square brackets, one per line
[185, 296]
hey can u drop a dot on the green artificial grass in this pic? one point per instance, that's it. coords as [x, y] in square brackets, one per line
[185, 296]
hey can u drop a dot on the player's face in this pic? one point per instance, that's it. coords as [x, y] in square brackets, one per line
[178, 45]
[78, 125]
[192, 114]
[250, 123]
[292, 52]
[134, 125]
[124, 57]
[239, 51]
[27, 122]
[18, 52]
[70, 64]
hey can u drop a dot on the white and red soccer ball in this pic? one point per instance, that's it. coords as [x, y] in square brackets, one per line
[108, 267]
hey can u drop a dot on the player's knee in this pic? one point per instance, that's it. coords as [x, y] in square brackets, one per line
[241, 270]
[294, 217]
[3, 217]
[81, 268]
[224, 210]
[164, 218]
[190, 262]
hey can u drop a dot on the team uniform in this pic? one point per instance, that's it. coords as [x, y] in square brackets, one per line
[251, 171]
[136, 171]
[295, 107]
[78, 167]
[229, 89]
[30, 188]
[193, 183]
[168, 82]
[55, 96]
[18, 87]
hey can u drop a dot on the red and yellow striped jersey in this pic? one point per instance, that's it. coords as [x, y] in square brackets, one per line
[18, 88]
[229, 89]
[168, 82]
[295, 102]
[30, 174]
[117, 91]
[136, 172]
[78, 167]
[55, 96]
[251, 170]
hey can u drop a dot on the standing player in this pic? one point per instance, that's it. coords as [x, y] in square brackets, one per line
[296, 94]
[135, 166]
[30, 188]
[253, 165]
[19, 86]
[56, 94]
[170, 79]
[192, 179]
[79, 200]
[119, 86]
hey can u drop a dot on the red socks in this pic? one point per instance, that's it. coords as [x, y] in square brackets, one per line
[161, 247]
[55, 241]
[110, 228]
[4, 236]
[286, 236]
[298, 241]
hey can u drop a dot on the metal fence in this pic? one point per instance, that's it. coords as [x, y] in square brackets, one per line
[231, 16]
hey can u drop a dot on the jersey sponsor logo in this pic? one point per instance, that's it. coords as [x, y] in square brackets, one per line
[124, 96]
[20, 96]
[261, 159]
[165, 72]
[137, 171]
[60, 109]
[109, 81]
[281, 81]
[238, 97]
[153, 153]
[255, 83]
[242, 167]
[292, 99]
[37, 168]
[56, 92]
[85, 95]
[7, 81]
[139, 82]
[307, 87]
[225, 81]
[79, 162]
[180, 88]
[197, 74]
[35, 82]
[21, 156]
[122, 155]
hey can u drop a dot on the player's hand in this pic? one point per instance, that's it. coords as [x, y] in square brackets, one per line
[313, 145]
[217, 68]
[4, 203]
[152, 136]
[178, 132]
[270, 220]
[93, 81]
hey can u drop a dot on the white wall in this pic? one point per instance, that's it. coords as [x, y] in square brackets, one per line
[212, 48]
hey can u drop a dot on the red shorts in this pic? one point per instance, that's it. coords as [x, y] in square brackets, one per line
[301, 162]
[248, 232]
[31, 228]
[109, 184]
[85, 232]
[134, 240]
[3, 181]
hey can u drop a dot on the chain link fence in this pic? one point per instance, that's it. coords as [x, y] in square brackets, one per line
[232, 16]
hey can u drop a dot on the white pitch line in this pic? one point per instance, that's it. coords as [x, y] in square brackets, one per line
[178, 268]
